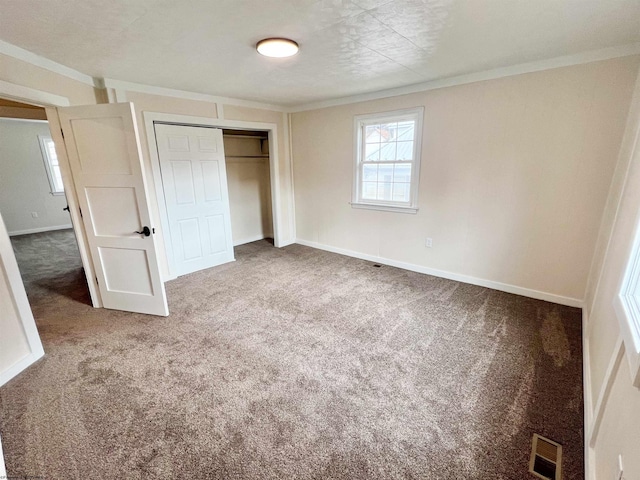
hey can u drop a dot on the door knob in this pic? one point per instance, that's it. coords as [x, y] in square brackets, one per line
[145, 231]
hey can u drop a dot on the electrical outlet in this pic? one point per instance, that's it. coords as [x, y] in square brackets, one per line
[34, 214]
[428, 242]
[619, 470]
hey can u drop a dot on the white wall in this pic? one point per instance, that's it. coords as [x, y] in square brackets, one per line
[515, 174]
[612, 402]
[24, 186]
[249, 189]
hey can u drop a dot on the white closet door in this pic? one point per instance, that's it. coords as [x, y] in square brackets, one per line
[104, 154]
[194, 178]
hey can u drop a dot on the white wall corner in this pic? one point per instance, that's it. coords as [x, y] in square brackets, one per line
[288, 139]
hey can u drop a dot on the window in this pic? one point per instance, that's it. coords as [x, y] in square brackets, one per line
[51, 165]
[387, 165]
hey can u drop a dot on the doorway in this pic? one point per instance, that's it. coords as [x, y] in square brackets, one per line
[34, 207]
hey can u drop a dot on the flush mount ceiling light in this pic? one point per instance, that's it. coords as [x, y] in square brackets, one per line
[277, 47]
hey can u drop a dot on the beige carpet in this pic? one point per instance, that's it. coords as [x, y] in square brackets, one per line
[290, 364]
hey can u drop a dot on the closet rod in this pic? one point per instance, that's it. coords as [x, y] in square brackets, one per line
[229, 135]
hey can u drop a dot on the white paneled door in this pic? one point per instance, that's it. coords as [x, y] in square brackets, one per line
[106, 164]
[194, 179]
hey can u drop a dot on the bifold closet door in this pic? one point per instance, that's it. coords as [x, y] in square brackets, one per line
[194, 180]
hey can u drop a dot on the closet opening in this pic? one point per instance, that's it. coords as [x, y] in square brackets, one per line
[248, 176]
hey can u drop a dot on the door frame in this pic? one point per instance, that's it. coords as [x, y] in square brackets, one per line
[50, 101]
[192, 121]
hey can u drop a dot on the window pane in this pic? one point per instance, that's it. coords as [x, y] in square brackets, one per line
[57, 179]
[372, 152]
[372, 134]
[370, 173]
[385, 173]
[384, 190]
[369, 190]
[388, 131]
[401, 192]
[405, 151]
[388, 151]
[51, 151]
[406, 130]
[402, 172]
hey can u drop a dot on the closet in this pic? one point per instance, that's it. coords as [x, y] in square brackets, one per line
[248, 178]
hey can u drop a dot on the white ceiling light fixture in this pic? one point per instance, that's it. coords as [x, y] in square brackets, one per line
[277, 47]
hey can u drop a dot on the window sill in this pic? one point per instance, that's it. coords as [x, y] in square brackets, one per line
[384, 208]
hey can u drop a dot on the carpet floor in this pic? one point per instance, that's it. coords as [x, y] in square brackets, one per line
[290, 363]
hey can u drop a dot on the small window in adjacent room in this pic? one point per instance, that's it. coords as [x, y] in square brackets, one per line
[51, 165]
[387, 160]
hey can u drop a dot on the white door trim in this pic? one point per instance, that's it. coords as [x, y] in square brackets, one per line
[49, 101]
[271, 128]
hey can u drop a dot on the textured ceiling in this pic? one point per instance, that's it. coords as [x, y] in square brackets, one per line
[347, 46]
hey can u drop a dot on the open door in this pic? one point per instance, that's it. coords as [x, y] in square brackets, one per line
[103, 148]
[20, 344]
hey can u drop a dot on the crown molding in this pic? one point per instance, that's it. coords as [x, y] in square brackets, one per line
[522, 68]
[29, 57]
[120, 85]
[202, 97]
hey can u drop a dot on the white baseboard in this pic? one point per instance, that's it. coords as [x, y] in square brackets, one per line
[249, 240]
[526, 292]
[39, 230]
[19, 366]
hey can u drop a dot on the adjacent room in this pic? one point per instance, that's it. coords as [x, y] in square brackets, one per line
[34, 207]
[354, 239]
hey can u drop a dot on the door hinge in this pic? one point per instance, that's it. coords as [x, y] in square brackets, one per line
[62, 132]
[80, 212]
[96, 280]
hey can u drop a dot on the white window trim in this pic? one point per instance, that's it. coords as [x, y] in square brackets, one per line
[627, 307]
[47, 164]
[416, 114]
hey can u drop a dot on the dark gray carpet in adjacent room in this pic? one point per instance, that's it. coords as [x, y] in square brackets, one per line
[290, 363]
